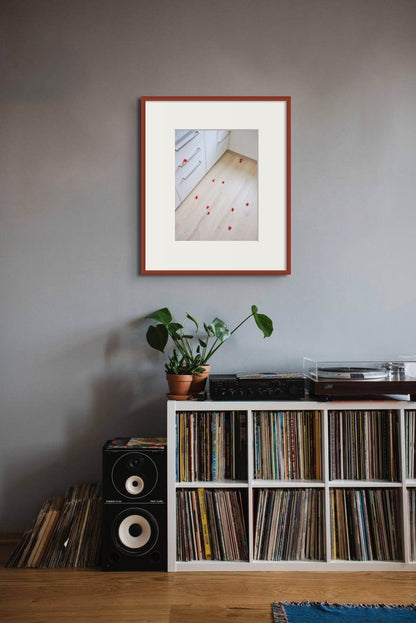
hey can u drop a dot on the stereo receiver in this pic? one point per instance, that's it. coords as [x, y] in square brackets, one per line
[259, 386]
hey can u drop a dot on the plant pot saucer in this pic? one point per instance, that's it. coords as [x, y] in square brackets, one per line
[178, 396]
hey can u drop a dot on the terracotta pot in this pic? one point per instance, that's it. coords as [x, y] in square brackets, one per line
[199, 380]
[179, 384]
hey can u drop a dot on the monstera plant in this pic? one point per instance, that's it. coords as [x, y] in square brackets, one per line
[193, 348]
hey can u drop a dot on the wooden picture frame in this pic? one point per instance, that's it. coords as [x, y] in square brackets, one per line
[223, 243]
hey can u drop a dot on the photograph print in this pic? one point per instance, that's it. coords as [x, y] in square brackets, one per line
[216, 177]
[215, 185]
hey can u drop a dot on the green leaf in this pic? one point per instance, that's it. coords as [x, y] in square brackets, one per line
[208, 329]
[188, 315]
[157, 337]
[175, 326]
[220, 329]
[173, 329]
[264, 324]
[254, 309]
[202, 343]
[161, 315]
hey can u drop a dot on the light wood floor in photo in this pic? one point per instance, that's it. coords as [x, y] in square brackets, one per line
[192, 221]
[90, 596]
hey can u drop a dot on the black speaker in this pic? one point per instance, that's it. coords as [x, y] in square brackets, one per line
[134, 525]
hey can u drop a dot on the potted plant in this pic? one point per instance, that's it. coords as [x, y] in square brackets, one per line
[178, 375]
[195, 350]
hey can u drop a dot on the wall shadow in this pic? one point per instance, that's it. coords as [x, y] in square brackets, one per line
[127, 398]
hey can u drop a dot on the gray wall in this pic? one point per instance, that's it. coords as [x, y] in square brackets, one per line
[74, 366]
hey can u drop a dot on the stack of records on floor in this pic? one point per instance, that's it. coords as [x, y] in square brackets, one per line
[211, 525]
[66, 533]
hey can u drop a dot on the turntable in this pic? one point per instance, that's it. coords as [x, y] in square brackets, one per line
[358, 379]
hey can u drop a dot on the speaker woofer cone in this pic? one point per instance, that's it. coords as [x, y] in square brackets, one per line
[135, 531]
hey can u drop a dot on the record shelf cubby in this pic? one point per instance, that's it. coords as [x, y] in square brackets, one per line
[293, 485]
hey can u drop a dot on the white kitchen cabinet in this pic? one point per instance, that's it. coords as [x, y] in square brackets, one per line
[177, 199]
[223, 137]
[210, 137]
[196, 151]
[189, 161]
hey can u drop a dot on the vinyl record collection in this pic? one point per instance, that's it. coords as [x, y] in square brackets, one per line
[363, 445]
[66, 532]
[410, 444]
[366, 524]
[211, 446]
[211, 525]
[289, 525]
[287, 445]
[412, 515]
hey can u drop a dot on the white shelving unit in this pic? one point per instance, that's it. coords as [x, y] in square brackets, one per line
[403, 485]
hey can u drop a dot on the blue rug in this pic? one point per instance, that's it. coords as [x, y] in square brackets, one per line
[311, 612]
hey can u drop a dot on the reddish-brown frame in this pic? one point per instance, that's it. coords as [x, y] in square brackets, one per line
[287, 270]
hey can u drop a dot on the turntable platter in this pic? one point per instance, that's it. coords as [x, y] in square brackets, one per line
[351, 373]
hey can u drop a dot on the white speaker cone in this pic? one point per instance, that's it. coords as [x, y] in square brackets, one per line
[134, 542]
[134, 485]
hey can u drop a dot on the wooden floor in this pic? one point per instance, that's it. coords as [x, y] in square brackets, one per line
[45, 596]
[192, 221]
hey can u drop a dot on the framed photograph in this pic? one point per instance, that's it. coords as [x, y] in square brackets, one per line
[215, 185]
